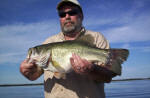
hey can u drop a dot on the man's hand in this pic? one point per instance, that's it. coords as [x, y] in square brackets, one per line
[95, 72]
[30, 70]
[80, 66]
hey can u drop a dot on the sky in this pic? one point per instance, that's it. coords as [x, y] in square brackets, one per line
[27, 23]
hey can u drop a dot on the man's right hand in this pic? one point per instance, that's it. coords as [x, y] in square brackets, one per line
[30, 69]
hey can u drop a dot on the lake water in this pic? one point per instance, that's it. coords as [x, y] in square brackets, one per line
[128, 89]
[119, 89]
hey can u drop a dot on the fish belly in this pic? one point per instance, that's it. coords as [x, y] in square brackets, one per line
[61, 60]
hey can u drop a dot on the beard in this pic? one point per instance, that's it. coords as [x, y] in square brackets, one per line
[70, 27]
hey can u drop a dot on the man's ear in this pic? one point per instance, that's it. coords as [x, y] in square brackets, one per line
[81, 16]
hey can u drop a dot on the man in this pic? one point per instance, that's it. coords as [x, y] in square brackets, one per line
[88, 78]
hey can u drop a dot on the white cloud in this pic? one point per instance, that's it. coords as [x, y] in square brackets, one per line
[20, 35]
[126, 46]
[134, 31]
[131, 25]
[17, 38]
[12, 57]
[29, 29]
[141, 48]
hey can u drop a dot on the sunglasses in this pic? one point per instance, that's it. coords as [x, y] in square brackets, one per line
[73, 12]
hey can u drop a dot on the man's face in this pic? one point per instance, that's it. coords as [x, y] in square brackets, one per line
[70, 19]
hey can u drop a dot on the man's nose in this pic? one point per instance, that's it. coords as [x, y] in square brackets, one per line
[67, 15]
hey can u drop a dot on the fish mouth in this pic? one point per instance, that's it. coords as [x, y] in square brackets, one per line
[31, 51]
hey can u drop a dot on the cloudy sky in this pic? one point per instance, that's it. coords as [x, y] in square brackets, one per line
[26, 23]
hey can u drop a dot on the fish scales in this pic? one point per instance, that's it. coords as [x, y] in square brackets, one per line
[55, 57]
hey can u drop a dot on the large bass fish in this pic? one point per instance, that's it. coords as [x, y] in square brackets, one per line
[55, 57]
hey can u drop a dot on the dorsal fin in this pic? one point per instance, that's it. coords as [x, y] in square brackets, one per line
[86, 39]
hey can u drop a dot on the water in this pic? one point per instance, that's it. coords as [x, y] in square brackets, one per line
[128, 89]
[22, 92]
[120, 89]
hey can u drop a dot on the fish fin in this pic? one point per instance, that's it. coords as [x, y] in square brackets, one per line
[117, 57]
[59, 75]
[86, 39]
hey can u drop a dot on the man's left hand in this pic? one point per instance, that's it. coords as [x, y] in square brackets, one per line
[81, 66]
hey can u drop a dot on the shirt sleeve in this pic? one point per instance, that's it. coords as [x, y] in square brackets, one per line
[101, 41]
[48, 40]
[55, 38]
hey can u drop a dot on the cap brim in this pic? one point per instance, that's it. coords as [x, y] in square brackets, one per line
[64, 2]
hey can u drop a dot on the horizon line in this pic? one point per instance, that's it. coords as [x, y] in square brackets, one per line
[38, 84]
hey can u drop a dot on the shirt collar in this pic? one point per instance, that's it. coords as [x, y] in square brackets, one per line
[82, 32]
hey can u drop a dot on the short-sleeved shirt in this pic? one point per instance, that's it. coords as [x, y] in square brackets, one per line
[75, 85]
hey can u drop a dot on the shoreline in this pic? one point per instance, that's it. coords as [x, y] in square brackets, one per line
[130, 79]
[38, 84]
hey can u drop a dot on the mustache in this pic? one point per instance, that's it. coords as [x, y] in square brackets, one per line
[68, 21]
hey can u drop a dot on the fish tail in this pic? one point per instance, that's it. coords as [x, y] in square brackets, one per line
[120, 54]
[117, 57]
